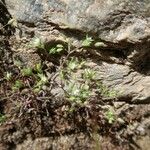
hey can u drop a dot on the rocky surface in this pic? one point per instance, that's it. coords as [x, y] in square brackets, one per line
[123, 25]
[112, 21]
[122, 62]
[131, 85]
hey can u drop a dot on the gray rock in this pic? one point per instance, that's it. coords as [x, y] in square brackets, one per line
[111, 20]
[128, 83]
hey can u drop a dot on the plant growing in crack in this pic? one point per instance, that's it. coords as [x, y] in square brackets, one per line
[110, 116]
[18, 85]
[74, 64]
[38, 68]
[56, 49]
[89, 74]
[17, 63]
[2, 118]
[37, 43]
[26, 71]
[42, 81]
[40, 44]
[8, 76]
[106, 92]
[87, 41]
[77, 93]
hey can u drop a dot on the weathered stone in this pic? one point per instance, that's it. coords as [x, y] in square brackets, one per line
[111, 20]
[129, 84]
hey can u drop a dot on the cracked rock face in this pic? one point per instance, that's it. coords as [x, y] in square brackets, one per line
[130, 85]
[111, 20]
[123, 24]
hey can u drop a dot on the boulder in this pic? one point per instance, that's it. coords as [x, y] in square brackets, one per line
[110, 20]
[130, 86]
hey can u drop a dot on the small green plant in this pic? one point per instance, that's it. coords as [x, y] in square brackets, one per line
[71, 66]
[112, 93]
[18, 85]
[37, 43]
[43, 78]
[38, 68]
[110, 116]
[89, 74]
[57, 49]
[87, 41]
[27, 71]
[62, 74]
[2, 118]
[100, 44]
[106, 92]
[42, 81]
[8, 76]
[77, 93]
[18, 63]
[74, 63]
